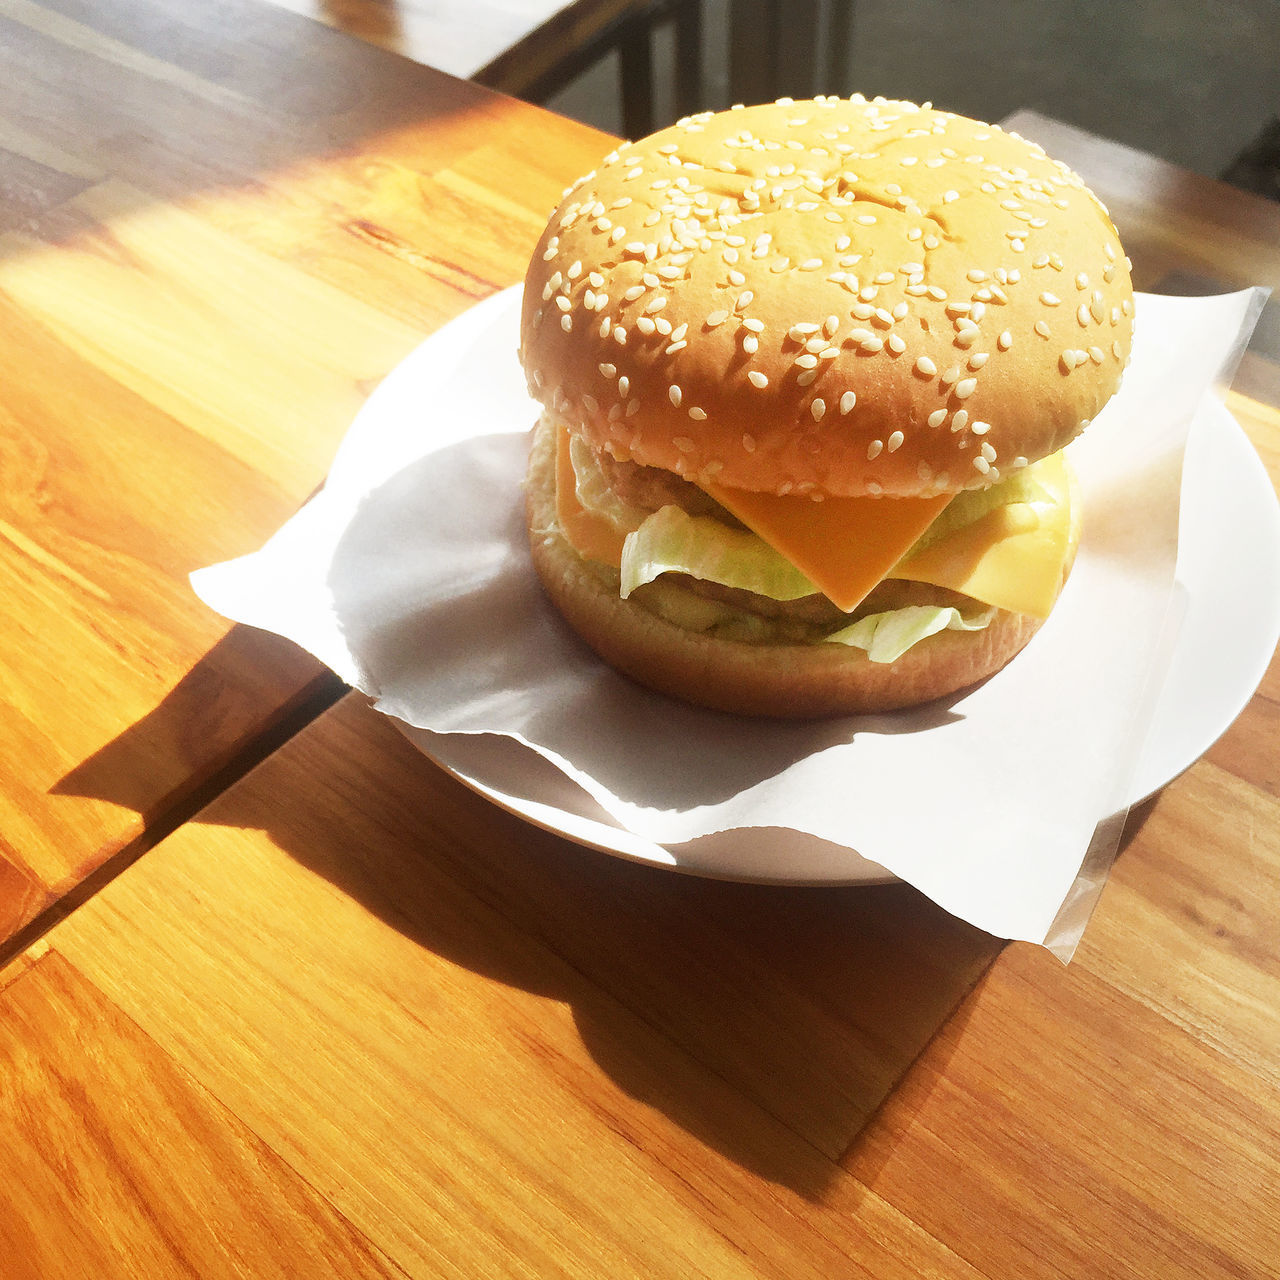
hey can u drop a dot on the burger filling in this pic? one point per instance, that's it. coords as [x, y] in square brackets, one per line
[683, 555]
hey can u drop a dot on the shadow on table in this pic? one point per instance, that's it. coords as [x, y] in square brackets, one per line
[768, 1022]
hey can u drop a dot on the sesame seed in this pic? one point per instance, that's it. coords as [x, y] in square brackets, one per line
[965, 388]
[674, 394]
[744, 300]
[566, 323]
[978, 359]
[828, 353]
[894, 442]
[960, 420]
[755, 326]
[684, 444]
[807, 360]
[1082, 315]
[620, 335]
[818, 408]
[751, 344]
[609, 370]
[624, 386]
[1042, 328]
[981, 465]
[749, 443]
[698, 415]
[873, 450]
[646, 326]
[655, 304]
[1068, 359]
[847, 401]
[896, 344]
[1005, 340]
[605, 325]
[676, 346]
[716, 318]
[811, 264]
[979, 428]
[758, 379]
[806, 377]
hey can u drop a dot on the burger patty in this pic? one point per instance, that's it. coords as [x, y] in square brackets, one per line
[652, 487]
[817, 610]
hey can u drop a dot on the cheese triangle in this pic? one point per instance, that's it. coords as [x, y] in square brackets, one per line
[843, 545]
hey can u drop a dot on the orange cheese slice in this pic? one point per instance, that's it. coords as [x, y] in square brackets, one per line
[843, 545]
[1012, 557]
[591, 534]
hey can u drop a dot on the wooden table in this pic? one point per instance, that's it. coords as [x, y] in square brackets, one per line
[281, 998]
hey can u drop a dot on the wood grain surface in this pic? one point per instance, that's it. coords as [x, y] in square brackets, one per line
[205, 267]
[500, 1054]
[118, 1164]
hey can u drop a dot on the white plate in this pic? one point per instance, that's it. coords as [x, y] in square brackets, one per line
[1229, 566]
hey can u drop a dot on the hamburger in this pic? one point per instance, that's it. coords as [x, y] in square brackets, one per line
[806, 372]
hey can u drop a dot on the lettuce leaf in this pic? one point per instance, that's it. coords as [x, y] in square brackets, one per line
[887, 636]
[672, 541]
[593, 492]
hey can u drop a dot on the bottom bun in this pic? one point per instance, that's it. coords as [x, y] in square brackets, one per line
[785, 680]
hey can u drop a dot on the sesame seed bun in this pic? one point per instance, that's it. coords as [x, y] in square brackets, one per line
[782, 680]
[836, 296]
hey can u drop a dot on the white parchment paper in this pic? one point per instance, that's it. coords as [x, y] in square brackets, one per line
[409, 575]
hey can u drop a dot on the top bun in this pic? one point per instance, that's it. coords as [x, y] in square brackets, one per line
[838, 296]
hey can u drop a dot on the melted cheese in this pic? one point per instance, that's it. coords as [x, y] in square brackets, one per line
[1014, 556]
[843, 545]
[591, 534]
